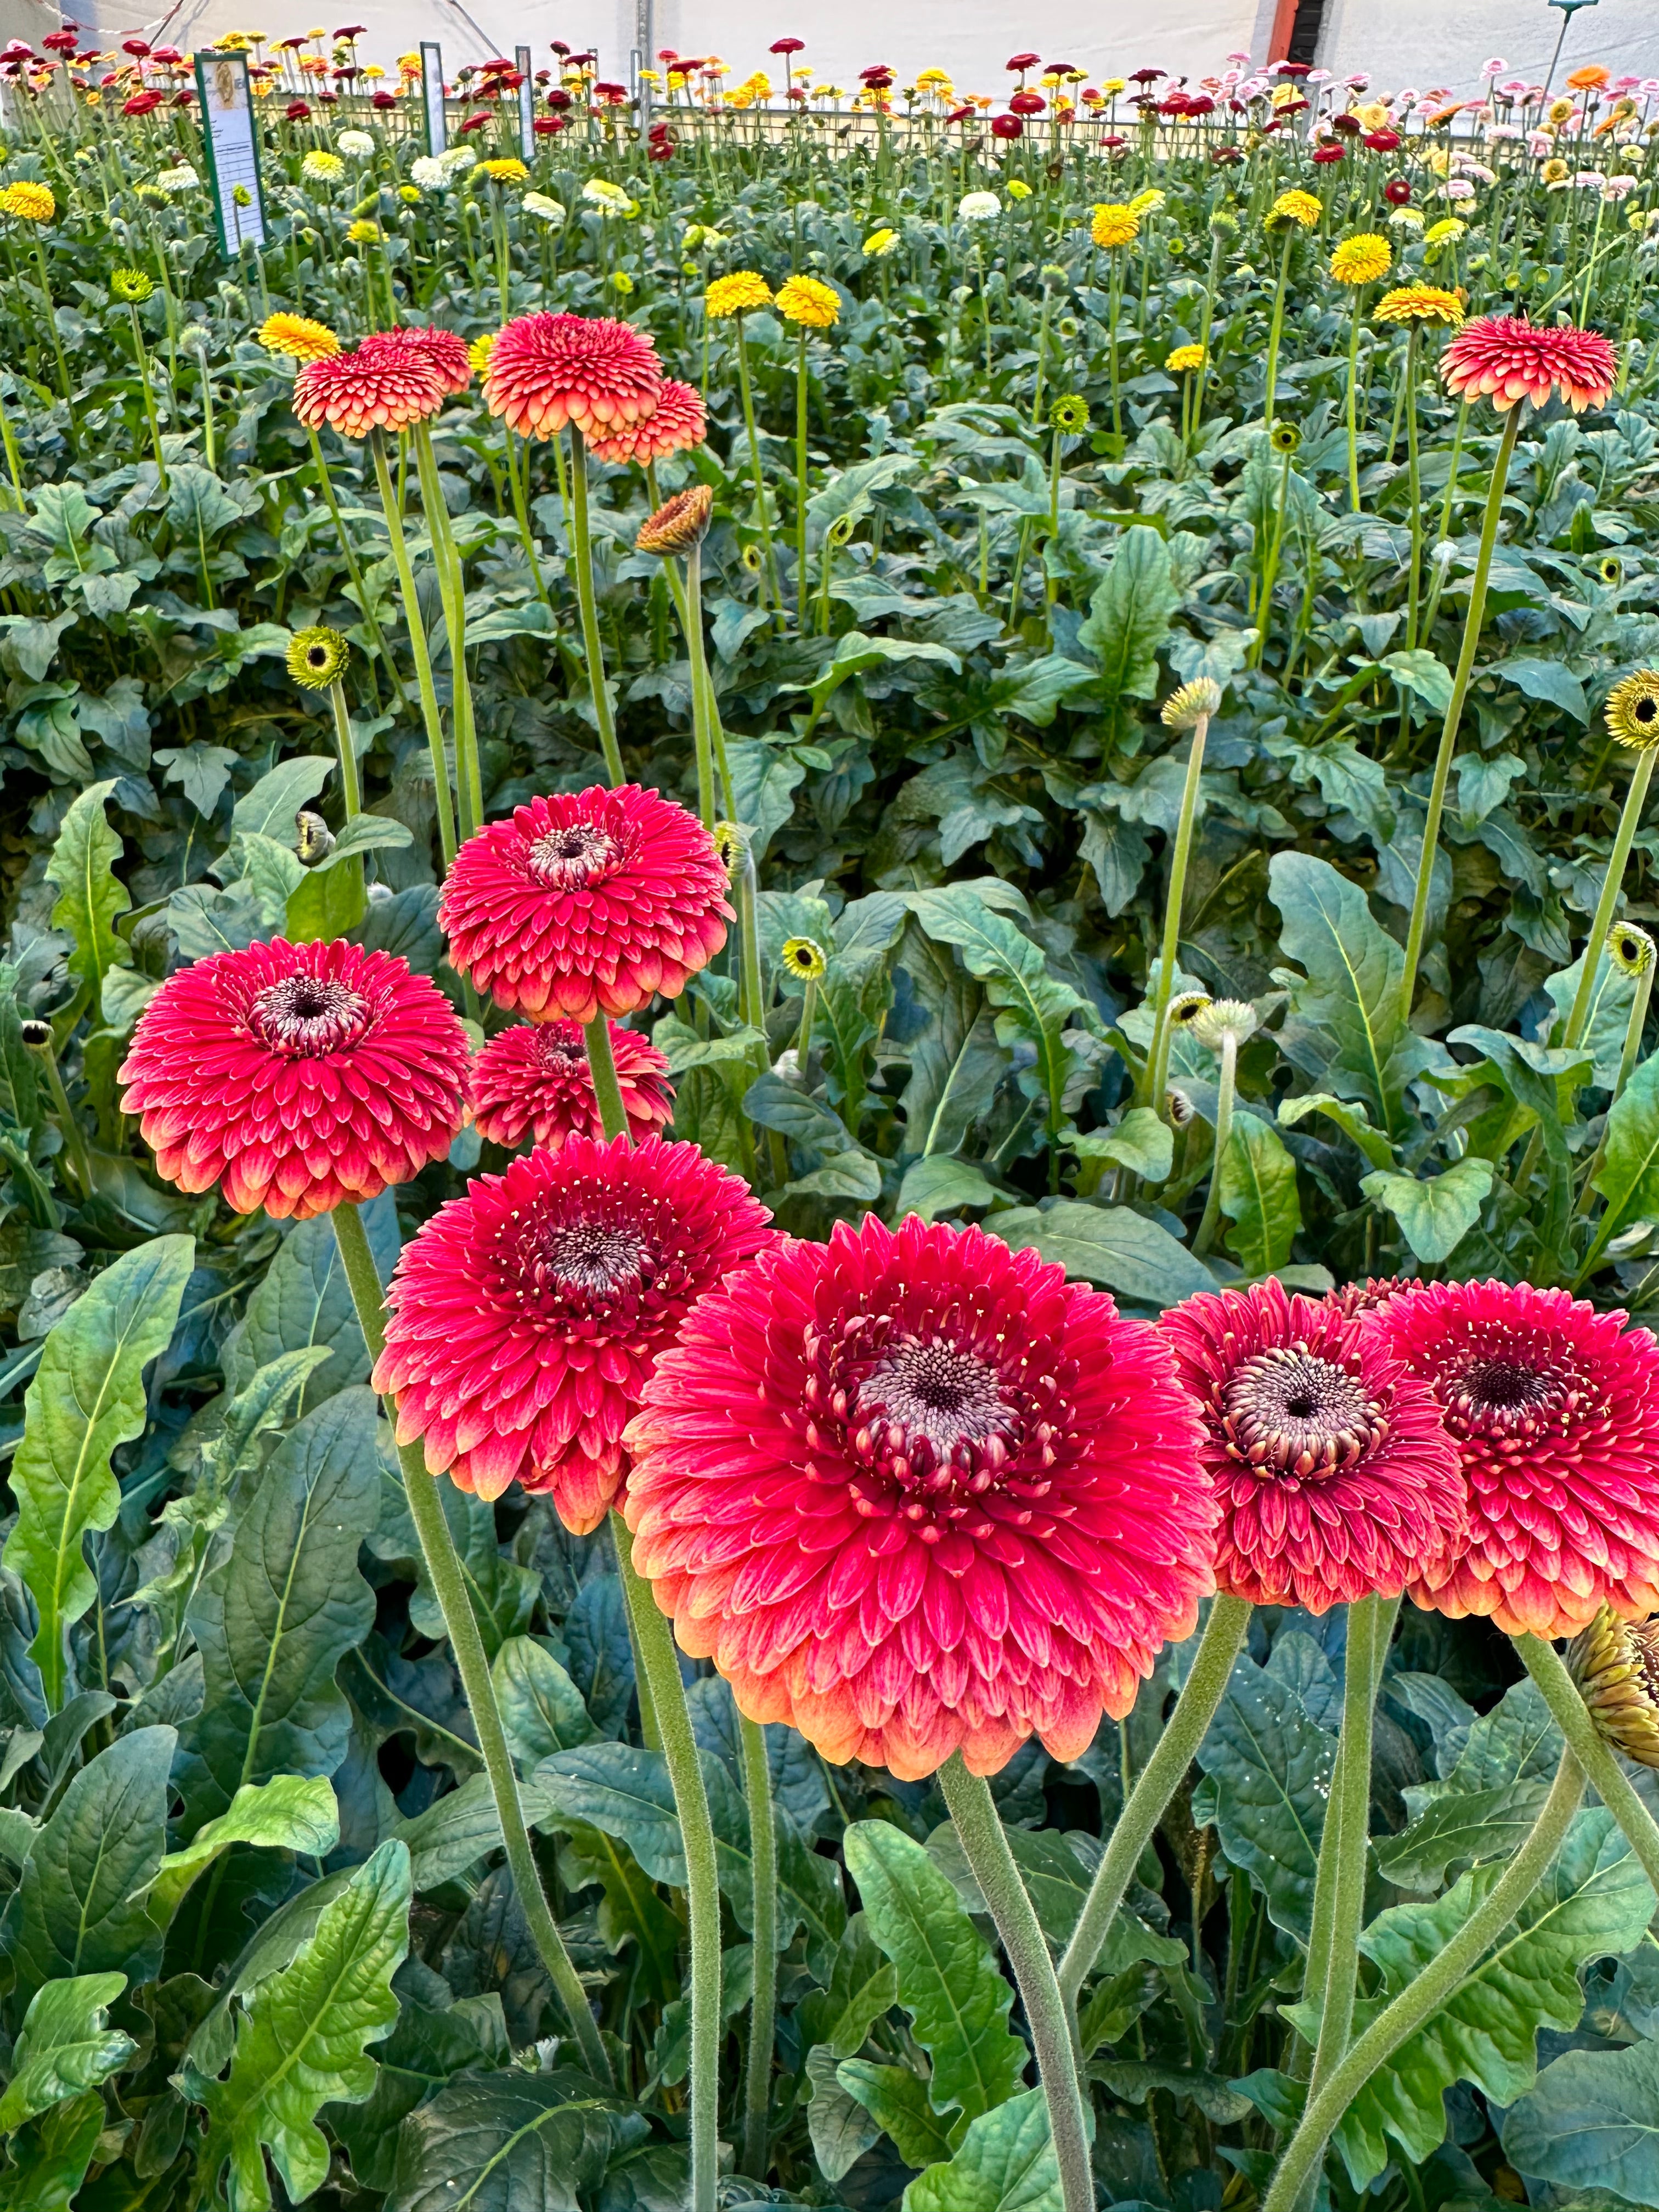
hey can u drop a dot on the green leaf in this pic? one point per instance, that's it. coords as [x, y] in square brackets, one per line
[1351, 1119]
[956, 1061]
[305, 1300]
[1629, 1175]
[1594, 1900]
[1129, 616]
[423, 2051]
[863, 1985]
[1551, 680]
[273, 1619]
[1111, 1244]
[1423, 674]
[51, 2155]
[509, 2142]
[301, 2041]
[1006, 2160]
[88, 1397]
[1436, 1214]
[79, 1908]
[1140, 1142]
[1592, 2124]
[840, 2127]
[938, 1185]
[542, 1709]
[896, 2101]
[1457, 1830]
[268, 810]
[1269, 1767]
[66, 2047]
[90, 894]
[291, 1812]
[947, 1978]
[1259, 1196]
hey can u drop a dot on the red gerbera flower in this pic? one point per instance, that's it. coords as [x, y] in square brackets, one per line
[537, 1079]
[391, 386]
[674, 425]
[1555, 1409]
[445, 350]
[1506, 358]
[547, 370]
[586, 902]
[914, 1492]
[525, 1318]
[1335, 1477]
[1352, 1298]
[300, 1076]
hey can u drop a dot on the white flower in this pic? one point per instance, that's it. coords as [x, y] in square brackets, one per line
[184, 179]
[1444, 553]
[1406, 219]
[356, 143]
[609, 198]
[457, 157]
[547, 211]
[979, 207]
[429, 172]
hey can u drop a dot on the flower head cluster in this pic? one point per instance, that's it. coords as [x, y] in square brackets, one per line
[807, 301]
[1300, 208]
[386, 387]
[28, 201]
[1185, 359]
[534, 1080]
[585, 903]
[737, 293]
[548, 370]
[1615, 1664]
[679, 524]
[526, 1317]
[1632, 710]
[1115, 223]
[444, 350]
[1361, 259]
[1506, 358]
[675, 425]
[297, 1076]
[317, 657]
[914, 1492]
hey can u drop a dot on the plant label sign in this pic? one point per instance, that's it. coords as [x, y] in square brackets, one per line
[432, 96]
[233, 150]
[522, 58]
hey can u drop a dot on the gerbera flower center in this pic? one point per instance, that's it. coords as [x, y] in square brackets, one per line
[933, 1390]
[566, 858]
[308, 1015]
[1508, 1394]
[1288, 1409]
[595, 1257]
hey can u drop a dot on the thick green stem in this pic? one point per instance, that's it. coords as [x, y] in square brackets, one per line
[593, 648]
[1354, 320]
[1629, 821]
[141, 361]
[451, 589]
[762, 2011]
[1213, 1663]
[1413, 490]
[431, 715]
[801, 393]
[1448, 728]
[449, 1587]
[351, 792]
[69, 1128]
[979, 1830]
[1158, 1056]
[1223, 1130]
[607, 1091]
[1276, 327]
[1423, 1997]
[1369, 1626]
[703, 733]
[662, 1673]
[1607, 1778]
[371, 621]
[744, 386]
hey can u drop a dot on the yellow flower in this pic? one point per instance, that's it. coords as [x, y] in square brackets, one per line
[804, 299]
[510, 171]
[409, 195]
[33, 202]
[1632, 710]
[1361, 259]
[130, 285]
[322, 169]
[880, 243]
[1554, 173]
[1147, 202]
[736, 295]
[298, 335]
[363, 234]
[1184, 358]
[1296, 207]
[317, 657]
[1113, 83]
[1115, 224]
[622, 283]
[479, 351]
[1374, 116]
[1440, 233]
[805, 957]
[1419, 303]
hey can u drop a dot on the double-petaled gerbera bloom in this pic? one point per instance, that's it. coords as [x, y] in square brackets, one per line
[601, 377]
[914, 1492]
[299, 1077]
[378, 386]
[535, 1080]
[1504, 358]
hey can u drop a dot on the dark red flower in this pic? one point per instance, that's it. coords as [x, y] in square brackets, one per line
[526, 1317]
[1554, 1408]
[914, 1492]
[1020, 63]
[586, 902]
[1007, 126]
[1026, 103]
[1397, 192]
[546, 370]
[535, 1079]
[789, 46]
[1506, 358]
[389, 386]
[1381, 142]
[549, 126]
[1336, 1476]
[141, 103]
[297, 1076]
[297, 111]
[1325, 154]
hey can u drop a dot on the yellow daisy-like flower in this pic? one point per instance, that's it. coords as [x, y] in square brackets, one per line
[880, 243]
[1419, 303]
[1115, 224]
[1070, 413]
[299, 336]
[803, 956]
[1018, 189]
[1361, 259]
[130, 285]
[1629, 949]
[1148, 203]
[1185, 358]
[409, 195]
[1295, 207]
[1554, 172]
[322, 169]
[736, 295]
[479, 351]
[30, 202]
[1632, 710]
[1441, 233]
[317, 657]
[507, 171]
[363, 234]
[804, 299]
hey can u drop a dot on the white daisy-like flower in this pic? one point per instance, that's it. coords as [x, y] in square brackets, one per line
[358, 143]
[544, 209]
[978, 207]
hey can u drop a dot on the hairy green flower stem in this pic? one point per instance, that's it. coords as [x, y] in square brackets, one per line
[1612, 882]
[1585, 1743]
[979, 1830]
[371, 622]
[433, 720]
[13, 464]
[703, 704]
[69, 1128]
[351, 790]
[803, 389]
[592, 649]
[1225, 1091]
[1276, 327]
[1154, 1075]
[1413, 490]
[1269, 578]
[1195, 1709]
[769, 559]
[763, 2012]
[1423, 1996]
[451, 592]
[1635, 1027]
[1472, 622]
[141, 357]
[64, 385]
[1355, 320]
[449, 1586]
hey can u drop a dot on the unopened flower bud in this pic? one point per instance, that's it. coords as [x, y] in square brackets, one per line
[1178, 1106]
[1194, 703]
[1615, 1664]
[35, 1032]
[313, 839]
[1223, 1018]
[679, 524]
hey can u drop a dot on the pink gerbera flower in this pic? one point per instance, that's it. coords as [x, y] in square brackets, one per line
[444, 350]
[1555, 1410]
[584, 902]
[1335, 1477]
[1506, 358]
[914, 1492]
[546, 370]
[298, 1076]
[387, 387]
[536, 1078]
[676, 424]
[525, 1318]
